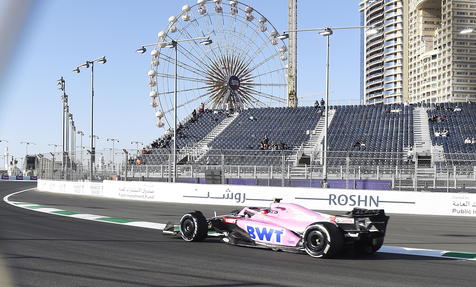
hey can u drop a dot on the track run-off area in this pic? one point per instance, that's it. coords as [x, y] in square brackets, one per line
[55, 247]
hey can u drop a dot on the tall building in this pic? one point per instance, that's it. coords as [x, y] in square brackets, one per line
[442, 60]
[383, 64]
[420, 55]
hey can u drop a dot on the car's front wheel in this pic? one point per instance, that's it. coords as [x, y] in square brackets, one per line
[323, 240]
[193, 226]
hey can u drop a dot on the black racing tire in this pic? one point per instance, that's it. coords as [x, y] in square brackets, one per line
[368, 246]
[323, 240]
[193, 226]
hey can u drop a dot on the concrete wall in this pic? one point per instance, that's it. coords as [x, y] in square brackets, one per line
[429, 203]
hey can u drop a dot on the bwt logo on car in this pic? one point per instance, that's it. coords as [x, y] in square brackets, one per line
[265, 233]
[353, 200]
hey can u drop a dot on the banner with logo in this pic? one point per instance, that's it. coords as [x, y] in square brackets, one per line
[430, 203]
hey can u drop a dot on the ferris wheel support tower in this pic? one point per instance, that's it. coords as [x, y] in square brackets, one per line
[292, 62]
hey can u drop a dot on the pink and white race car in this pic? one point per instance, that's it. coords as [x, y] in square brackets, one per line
[289, 227]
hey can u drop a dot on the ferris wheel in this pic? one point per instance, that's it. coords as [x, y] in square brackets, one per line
[243, 63]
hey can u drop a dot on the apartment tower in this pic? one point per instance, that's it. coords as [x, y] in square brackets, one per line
[442, 51]
[383, 54]
[425, 51]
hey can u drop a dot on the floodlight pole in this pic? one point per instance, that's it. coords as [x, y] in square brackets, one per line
[93, 152]
[88, 64]
[64, 99]
[326, 34]
[113, 150]
[174, 155]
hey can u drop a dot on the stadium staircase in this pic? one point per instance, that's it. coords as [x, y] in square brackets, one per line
[422, 137]
[200, 148]
[310, 149]
[316, 146]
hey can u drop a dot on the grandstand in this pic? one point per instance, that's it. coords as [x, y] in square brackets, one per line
[395, 146]
[385, 135]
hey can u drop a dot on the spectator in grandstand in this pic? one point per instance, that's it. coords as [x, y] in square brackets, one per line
[457, 109]
[360, 145]
[468, 140]
[437, 134]
[445, 133]
[410, 154]
[316, 104]
[266, 141]
[473, 140]
[251, 118]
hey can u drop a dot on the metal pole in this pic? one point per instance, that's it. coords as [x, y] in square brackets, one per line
[66, 141]
[81, 151]
[113, 162]
[326, 107]
[92, 124]
[174, 155]
[64, 135]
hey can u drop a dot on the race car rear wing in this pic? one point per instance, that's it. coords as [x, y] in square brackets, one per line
[364, 221]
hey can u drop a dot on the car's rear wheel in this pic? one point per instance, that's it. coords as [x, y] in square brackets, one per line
[193, 226]
[323, 240]
[369, 246]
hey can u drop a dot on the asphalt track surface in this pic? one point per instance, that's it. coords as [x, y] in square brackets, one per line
[47, 250]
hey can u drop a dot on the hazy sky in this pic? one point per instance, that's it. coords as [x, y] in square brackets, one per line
[58, 35]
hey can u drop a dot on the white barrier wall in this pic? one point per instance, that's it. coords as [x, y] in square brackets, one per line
[430, 203]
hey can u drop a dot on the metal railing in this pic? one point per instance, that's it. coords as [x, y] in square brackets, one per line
[349, 169]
